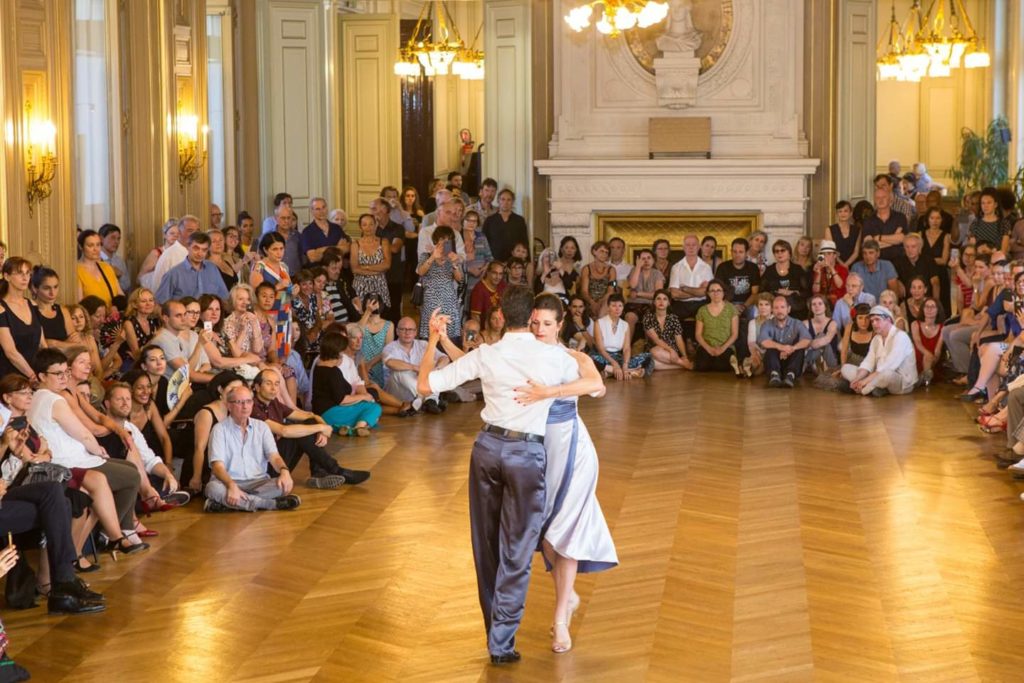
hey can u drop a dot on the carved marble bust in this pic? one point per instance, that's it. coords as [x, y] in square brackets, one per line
[680, 34]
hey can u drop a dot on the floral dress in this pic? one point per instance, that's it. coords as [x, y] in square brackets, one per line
[307, 313]
[282, 334]
[440, 291]
[375, 283]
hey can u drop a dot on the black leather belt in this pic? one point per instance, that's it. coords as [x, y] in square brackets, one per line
[515, 436]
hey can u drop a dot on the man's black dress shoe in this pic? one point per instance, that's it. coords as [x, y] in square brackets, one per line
[355, 476]
[507, 658]
[63, 600]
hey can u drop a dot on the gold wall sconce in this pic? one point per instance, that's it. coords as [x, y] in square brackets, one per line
[191, 148]
[40, 157]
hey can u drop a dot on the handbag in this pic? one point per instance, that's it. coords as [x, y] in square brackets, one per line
[47, 471]
[417, 294]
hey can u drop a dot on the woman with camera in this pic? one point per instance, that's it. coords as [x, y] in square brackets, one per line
[440, 273]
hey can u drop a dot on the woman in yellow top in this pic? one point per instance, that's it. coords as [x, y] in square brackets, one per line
[95, 278]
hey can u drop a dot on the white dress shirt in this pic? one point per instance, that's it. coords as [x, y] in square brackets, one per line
[172, 256]
[502, 367]
[893, 353]
[682, 275]
[149, 458]
[425, 245]
[413, 356]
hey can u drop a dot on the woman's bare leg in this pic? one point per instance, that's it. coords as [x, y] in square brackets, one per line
[564, 575]
[95, 484]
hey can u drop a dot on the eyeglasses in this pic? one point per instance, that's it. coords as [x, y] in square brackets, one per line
[57, 373]
[192, 312]
[406, 329]
[241, 401]
[24, 392]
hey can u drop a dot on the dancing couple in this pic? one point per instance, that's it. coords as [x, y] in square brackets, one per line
[533, 469]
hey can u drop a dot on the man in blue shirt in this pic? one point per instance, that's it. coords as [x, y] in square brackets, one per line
[241, 448]
[194, 276]
[877, 273]
[784, 340]
[321, 234]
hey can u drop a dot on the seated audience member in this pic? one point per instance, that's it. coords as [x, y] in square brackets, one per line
[378, 333]
[577, 330]
[194, 276]
[913, 263]
[612, 341]
[196, 468]
[333, 399]
[785, 278]
[241, 449]
[181, 344]
[80, 330]
[643, 281]
[664, 334]
[828, 275]
[521, 252]
[105, 333]
[890, 366]
[486, 294]
[119, 406]
[856, 337]
[495, 327]
[617, 259]
[309, 312]
[889, 299]
[402, 359]
[756, 254]
[784, 340]
[962, 274]
[876, 273]
[754, 363]
[72, 445]
[803, 253]
[345, 304]
[917, 293]
[55, 319]
[153, 362]
[145, 416]
[218, 344]
[688, 285]
[993, 339]
[742, 277]
[298, 432]
[596, 280]
[926, 333]
[717, 330]
[353, 367]
[515, 271]
[845, 304]
[986, 281]
[822, 354]
[141, 322]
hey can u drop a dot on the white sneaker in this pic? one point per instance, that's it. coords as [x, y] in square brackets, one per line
[1017, 466]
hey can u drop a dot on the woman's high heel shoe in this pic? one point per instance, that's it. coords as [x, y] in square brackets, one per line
[561, 646]
[123, 545]
[84, 570]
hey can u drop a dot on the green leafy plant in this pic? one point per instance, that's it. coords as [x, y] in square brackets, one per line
[984, 161]
[1017, 185]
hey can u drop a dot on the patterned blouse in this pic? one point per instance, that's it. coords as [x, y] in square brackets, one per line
[668, 333]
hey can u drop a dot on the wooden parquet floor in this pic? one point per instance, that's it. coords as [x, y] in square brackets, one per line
[763, 534]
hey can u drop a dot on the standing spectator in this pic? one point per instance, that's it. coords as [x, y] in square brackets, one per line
[281, 199]
[194, 276]
[803, 253]
[757, 253]
[484, 205]
[110, 235]
[617, 260]
[504, 228]
[272, 270]
[170, 236]
[175, 253]
[95, 278]
[935, 246]
[440, 274]
[55, 319]
[478, 251]
[321, 233]
[845, 233]
[890, 366]
[784, 340]
[487, 293]
[392, 236]
[227, 269]
[21, 328]
[371, 259]
[887, 226]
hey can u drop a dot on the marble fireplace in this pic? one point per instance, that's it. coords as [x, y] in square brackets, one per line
[749, 83]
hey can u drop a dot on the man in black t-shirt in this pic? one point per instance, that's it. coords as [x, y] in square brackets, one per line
[744, 280]
[912, 264]
[391, 233]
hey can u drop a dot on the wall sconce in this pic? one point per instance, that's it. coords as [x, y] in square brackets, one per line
[40, 157]
[191, 150]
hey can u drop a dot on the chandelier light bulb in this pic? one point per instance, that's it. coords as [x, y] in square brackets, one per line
[652, 13]
[605, 25]
[624, 19]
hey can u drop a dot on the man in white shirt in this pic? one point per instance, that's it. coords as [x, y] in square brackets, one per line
[402, 359]
[617, 256]
[508, 460]
[240, 450]
[688, 284]
[890, 366]
[447, 214]
[177, 252]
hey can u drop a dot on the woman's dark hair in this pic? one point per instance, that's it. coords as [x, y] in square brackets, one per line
[332, 345]
[928, 214]
[263, 285]
[331, 256]
[566, 240]
[204, 302]
[720, 283]
[709, 238]
[843, 204]
[517, 305]
[442, 233]
[568, 330]
[269, 239]
[657, 293]
[783, 244]
[416, 202]
[994, 194]
[222, 379]
[280, 197]
[303, 275]
[939, 314]
[47, 358]
[41, 274]
[133, 376]
[145, 351]
[654, 246]
[918, 278]
[616, 297]
[600, 244]
[84, 235]
[550, 302]
[860, 310]
[92, 303]
[862, 211]
[1007, 200]
[11, 265]
[13, 382]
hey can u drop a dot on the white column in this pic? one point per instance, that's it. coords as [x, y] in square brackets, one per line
[507, 155]
[855, 154]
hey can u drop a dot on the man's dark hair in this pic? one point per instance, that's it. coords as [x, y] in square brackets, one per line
[489, 182]
[740, 240]
[883, 176]
[517, 305]
[332, 345]
[280, 197]
[47, 358]
[199, 238]
[617, 239]
[616, 297]
[454, 174]
[108, 228]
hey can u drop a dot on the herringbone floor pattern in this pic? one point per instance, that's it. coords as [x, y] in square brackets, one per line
[763, 534]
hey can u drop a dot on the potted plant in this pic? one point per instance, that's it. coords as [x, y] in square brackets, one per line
[984, 161]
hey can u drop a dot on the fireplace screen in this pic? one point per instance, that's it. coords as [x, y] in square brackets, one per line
[641, 230]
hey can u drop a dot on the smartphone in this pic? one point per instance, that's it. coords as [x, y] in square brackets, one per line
[1018, 305]
[447, 248]
[954, 254]
[208, 326]
[18, 423]
[471, 335]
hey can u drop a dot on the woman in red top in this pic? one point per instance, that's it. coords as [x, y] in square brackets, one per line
[828, 277]
[926, 332]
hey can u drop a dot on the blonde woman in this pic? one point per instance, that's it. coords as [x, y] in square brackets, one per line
[889, 299]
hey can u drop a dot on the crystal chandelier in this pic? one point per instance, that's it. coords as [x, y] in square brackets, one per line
[617, 15]
[930, 44]
[436, 52]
